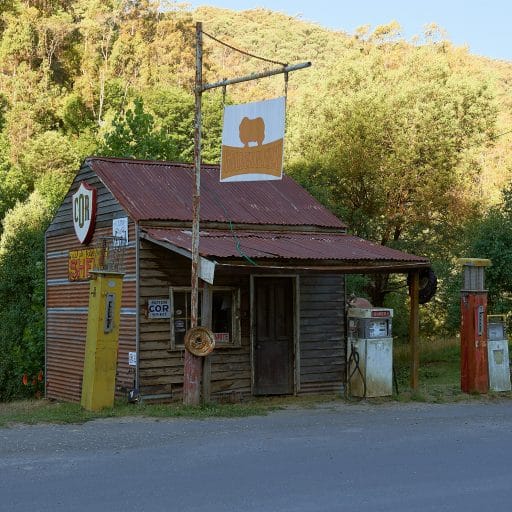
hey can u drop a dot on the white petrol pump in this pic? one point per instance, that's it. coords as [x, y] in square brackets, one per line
[497, 353]
[370, 352]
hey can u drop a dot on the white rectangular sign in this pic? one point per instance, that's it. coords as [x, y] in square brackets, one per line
[159, 308]
[120, 228]
[132, 358]
[253, 141]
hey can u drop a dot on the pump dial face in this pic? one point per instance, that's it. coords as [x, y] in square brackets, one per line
[378, 329]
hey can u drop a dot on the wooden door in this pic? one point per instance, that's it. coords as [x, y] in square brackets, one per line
[273, 336]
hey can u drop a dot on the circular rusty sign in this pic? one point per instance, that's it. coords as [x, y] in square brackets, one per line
[199, 341]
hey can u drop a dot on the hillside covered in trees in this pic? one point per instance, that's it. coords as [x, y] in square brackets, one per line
[407, 141]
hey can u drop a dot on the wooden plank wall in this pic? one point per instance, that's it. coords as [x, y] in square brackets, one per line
[161, 369]
[322, 333]
[322, 345]
[67, 301]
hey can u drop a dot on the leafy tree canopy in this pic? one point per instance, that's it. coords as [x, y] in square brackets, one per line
[133, 135]
[491, 238]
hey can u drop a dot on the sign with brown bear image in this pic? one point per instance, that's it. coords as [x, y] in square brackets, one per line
[252, 141]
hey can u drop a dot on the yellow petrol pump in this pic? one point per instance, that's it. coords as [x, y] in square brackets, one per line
[99, 377]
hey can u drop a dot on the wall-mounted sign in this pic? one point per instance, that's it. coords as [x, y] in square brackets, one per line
[84, 212]
[132, 358]
[120, 229]
[252, 141]
[179, 325]
[81, 262]
[159, 308]
[221, 337]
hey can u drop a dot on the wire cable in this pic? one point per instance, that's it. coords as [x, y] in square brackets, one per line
[500, 135]
[244, 52]
[395, 381]
[238, 243]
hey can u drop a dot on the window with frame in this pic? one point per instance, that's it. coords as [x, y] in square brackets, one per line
[225, 316]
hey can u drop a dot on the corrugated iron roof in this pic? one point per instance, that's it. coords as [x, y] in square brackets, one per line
[304, 246]
[150, 190]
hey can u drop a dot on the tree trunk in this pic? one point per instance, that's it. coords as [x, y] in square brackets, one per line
[377, 289]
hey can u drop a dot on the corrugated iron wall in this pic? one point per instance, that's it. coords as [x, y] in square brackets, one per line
[66, 321]
[67, 301]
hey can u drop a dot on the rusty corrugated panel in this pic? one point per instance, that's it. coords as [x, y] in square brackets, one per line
[68, 295]
[66, 325]
[65, 354]
[63, 242]
[58, 247]
[77, 295]
[150, 190]
[65, 346]
[308, 246]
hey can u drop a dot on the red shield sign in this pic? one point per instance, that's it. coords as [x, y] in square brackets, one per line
[84, 212]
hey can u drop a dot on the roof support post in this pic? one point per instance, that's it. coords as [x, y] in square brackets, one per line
[414, 328]
[193, 364]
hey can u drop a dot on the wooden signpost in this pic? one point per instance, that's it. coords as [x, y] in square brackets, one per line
[193, 364]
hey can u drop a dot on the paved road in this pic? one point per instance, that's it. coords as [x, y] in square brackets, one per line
[391, 457]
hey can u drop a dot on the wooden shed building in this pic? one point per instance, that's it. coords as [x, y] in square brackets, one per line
[274, 260]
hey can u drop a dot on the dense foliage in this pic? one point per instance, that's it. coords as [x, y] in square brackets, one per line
[405, 141]
[491, 238]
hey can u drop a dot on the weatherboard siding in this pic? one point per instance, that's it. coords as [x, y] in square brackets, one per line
[161, 368]
[322, 333]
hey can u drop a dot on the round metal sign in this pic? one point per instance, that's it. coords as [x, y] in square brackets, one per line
[199, 341]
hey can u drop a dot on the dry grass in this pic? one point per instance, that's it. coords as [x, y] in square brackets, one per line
[439, 373]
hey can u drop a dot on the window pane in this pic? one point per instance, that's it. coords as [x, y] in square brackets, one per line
[180, 306]
[222, 313]
[181, 314]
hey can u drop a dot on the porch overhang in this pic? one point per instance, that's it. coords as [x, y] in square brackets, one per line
[298, 251]
[275, 251]
[206, 266]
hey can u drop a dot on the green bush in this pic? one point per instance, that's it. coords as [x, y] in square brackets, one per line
[22, 296]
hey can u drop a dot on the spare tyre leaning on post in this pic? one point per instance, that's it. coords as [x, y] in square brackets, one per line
[199, 341]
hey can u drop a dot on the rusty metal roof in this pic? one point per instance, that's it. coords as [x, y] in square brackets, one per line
[151, 190]
[302, 246]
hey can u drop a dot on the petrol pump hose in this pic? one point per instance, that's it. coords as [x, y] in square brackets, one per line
[354, 358]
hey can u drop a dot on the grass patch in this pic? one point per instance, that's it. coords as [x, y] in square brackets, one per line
[439, 382]
[31, 412]
[439, 373]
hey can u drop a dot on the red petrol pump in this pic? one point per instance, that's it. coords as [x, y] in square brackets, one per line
[474, 370]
